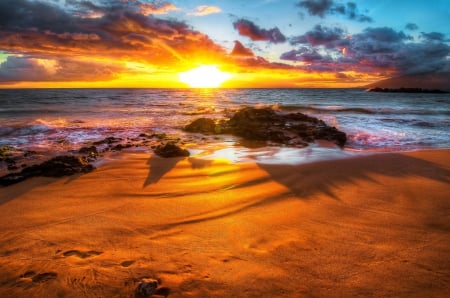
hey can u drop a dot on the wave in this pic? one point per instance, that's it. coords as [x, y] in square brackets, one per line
[358, 110]
[327, 109]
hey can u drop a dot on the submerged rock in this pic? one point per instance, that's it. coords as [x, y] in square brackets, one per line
[265, 124]
[108, 140]
[170, 150]
[56, 167]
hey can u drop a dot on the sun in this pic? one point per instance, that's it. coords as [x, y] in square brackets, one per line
[205, 76]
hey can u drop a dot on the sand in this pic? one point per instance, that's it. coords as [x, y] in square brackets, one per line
[368, 226]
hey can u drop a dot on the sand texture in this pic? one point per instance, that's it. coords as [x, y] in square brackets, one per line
[369, 226]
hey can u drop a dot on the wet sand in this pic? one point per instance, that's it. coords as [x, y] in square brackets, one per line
[369, 226]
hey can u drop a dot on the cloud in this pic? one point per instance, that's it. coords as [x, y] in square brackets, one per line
[204, 10]
[241, 51]
[321, 35]
[373, 50]
[161, 8]
[96, 8]
[433, 36]
[411, 27]
[321, 8]
[249, 29]
[124, 31]
[40, 69]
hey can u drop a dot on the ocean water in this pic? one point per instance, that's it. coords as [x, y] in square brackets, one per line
[54, 120]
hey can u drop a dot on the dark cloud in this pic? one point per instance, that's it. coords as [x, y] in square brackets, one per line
[240, 50]
[249, 29]
[373, 50]
[114, 29]
[41, 69]
[312, 59]
[85, 8]
[320, 35]
[433, 36]
[411, 26]
[321, 8]
[20, 68]
[25, 14]
[317, 7]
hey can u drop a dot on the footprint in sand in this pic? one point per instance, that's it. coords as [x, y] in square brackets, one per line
[82, 254]
[41, 277]
[127, 263]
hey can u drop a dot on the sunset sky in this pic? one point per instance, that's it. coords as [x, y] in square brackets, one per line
[264, 43]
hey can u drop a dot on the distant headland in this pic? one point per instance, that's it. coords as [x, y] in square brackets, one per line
[414, 83]
[406, 90]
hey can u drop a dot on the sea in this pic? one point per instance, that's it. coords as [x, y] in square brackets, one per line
[54, 121]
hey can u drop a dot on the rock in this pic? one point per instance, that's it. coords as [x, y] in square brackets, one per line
[108, 140]
[259, 125]
[265, 124]
[56, 167]
[170, 150]
[119, 147]
[63, 166]
[89, 151]
[5, 152]
[146, 288]
[202, 125]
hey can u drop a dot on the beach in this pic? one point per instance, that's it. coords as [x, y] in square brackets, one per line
[369, 225]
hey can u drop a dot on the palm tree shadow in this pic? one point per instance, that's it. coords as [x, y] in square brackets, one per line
[307, 180]
[159, 167]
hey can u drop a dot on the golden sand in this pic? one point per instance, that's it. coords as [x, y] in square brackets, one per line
[369, 226]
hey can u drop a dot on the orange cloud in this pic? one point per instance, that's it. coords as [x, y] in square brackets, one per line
[151, 8]
[204, 10]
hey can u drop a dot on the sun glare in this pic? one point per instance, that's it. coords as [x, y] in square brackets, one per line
[206, 76]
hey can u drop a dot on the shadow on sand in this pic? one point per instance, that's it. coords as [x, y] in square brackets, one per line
[307, 180]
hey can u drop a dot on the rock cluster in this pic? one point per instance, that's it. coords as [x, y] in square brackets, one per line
[79, 161]
[265, 124]
[56, 167]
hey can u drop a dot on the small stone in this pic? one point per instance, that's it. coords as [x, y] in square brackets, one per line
[170, 150]
[146, 288]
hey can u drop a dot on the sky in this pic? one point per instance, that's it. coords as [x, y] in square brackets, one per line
[265, 43]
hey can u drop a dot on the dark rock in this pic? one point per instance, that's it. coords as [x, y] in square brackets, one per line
[9, 161]
[146, 288]
[12, 167]
[170, 150]
[164, 292]
[202, 125]
[56, 167]
[5, 152]
[267, 125]
[257, 124]
[89, 151]
[119, 147]
[29, 153]
[159, 136]
[108, 140]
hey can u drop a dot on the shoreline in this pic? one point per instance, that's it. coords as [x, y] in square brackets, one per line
[372, 225]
